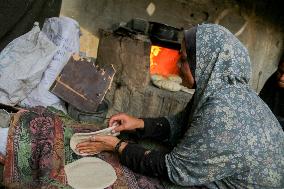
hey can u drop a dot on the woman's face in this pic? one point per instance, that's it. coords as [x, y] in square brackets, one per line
[187, 78]
[280, 75]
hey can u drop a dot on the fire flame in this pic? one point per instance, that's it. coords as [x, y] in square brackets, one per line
[163, 61]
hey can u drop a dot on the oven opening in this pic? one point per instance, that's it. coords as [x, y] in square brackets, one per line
[164, 61]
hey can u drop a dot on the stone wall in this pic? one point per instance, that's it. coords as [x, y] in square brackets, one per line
[251, 21]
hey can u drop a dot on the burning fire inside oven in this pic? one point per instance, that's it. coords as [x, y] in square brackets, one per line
[163, 61]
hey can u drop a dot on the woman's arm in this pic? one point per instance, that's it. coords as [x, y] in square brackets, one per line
[154, 128]
[162, 129]
[140, 160]
[134, 156]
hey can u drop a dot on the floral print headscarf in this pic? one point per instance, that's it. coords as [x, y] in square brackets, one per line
[234, 140]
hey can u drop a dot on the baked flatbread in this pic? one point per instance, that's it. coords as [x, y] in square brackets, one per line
[187, 90]
[167, 85]
[90, 173]
[175, 78]
[157, 77]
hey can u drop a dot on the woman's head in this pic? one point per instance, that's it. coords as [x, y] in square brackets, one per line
[280, 73]
[188, 57]
[187, 76]
[216, 58]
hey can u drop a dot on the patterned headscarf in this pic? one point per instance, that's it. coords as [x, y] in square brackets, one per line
[222, 59]
[234, 140]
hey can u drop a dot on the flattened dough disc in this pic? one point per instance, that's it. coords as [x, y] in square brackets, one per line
[81, 137]
[90, 173]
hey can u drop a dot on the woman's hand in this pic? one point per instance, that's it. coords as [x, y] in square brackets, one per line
[97, 144]
[126, 122]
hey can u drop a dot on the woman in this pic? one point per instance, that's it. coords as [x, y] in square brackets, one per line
[230, 137]
[272, 92]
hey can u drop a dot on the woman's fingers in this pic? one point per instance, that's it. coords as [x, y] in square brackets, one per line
[97, 143]
[89, 151]
[119, 128]
[120, 118]
[100, 138]
[89, 147]
[126, 122]
[83, 144]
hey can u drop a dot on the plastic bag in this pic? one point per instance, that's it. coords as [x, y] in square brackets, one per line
[22, 63]
[64, 32]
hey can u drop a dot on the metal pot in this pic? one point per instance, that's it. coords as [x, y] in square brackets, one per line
[164, 35]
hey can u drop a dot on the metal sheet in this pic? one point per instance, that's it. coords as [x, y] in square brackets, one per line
[83, 84]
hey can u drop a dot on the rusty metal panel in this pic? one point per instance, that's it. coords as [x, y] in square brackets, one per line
[83, 84]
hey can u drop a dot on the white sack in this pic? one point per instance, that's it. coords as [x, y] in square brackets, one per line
[64, 32]
[22, 63]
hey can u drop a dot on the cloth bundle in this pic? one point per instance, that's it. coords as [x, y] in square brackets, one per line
[3, 140]
[22, 64]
